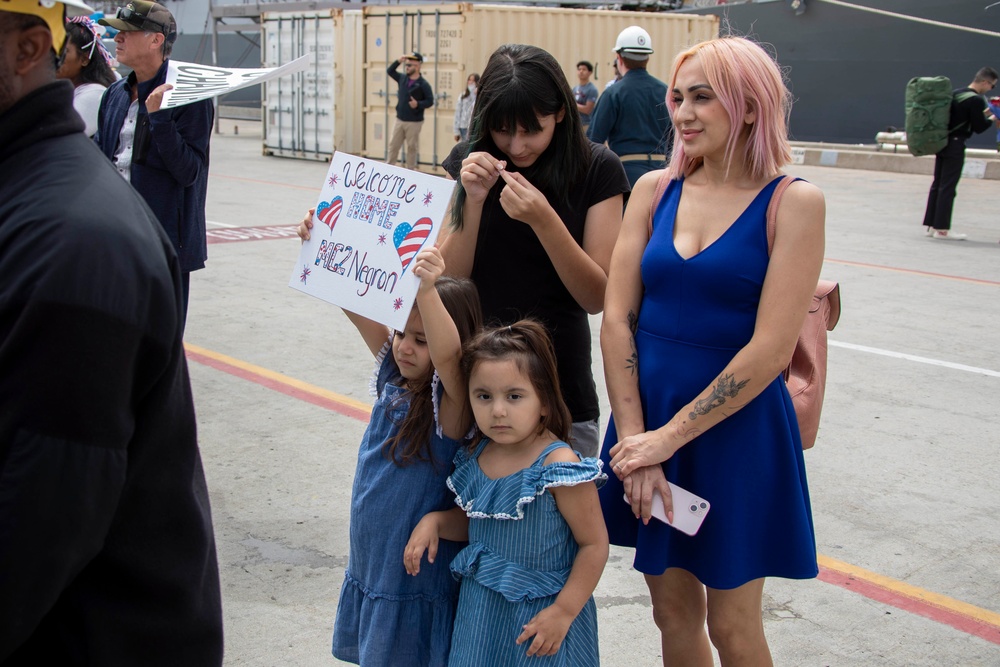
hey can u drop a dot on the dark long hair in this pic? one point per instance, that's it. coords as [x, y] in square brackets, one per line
[412, 441]
[97, 70]
[521, 83]
[528, 345]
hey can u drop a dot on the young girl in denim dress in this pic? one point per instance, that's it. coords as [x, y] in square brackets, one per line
[418, 422]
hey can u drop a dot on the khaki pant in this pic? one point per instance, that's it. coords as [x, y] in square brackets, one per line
[410, 131]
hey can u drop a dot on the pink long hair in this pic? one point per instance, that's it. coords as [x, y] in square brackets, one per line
[743, 76]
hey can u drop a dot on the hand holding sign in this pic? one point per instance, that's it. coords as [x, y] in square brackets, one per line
[371, 224]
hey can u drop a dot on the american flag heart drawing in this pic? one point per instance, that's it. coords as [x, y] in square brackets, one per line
[408, 239]
[329, 211]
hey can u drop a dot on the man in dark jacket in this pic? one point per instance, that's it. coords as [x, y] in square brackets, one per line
[415, 95]
[967, 116]
[106, 549]
[163, 154]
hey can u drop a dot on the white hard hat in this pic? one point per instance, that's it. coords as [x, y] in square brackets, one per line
[634, 42]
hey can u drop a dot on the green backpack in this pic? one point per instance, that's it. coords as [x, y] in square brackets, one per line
[928, 113]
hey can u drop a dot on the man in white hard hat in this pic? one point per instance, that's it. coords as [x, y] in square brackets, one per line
[107, 555]
[631, 115]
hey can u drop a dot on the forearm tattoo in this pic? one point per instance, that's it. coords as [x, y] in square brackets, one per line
[727, 387]
[632, 363]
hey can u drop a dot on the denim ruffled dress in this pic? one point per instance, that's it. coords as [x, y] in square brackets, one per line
[519, 557]
[385, 617]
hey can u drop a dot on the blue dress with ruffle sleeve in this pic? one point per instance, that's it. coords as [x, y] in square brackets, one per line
[519, 557]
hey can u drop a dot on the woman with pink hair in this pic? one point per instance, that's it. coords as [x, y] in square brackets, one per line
[700, 318]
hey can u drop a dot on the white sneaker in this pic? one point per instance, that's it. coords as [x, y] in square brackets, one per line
[948, 236]
[929, 231]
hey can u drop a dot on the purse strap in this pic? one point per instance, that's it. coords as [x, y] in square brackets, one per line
[772, 209]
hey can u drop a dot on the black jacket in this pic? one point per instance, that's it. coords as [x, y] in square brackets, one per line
[417, 88]
[107, 555]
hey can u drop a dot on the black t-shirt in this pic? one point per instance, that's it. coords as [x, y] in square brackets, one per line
[516, 278]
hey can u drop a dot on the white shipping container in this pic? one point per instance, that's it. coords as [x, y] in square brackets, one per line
[303, 114]
[457, 40]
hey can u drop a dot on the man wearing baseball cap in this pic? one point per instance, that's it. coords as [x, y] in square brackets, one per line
[107, 555]
[415, 95]
[631, 116]
[162, 153]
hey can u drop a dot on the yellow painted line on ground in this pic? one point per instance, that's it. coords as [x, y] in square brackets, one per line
[273, 379]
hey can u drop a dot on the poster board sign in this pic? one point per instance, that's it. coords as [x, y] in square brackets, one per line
[193, 83]
[370, 222]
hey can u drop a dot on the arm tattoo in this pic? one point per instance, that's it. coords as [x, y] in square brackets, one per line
[632, 363]
[727, 387]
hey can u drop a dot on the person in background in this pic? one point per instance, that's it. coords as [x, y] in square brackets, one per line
[616, 78]
[536, 214]
[585, 93]
[163, 153]
[632, 116]
[88, 65]
[463, 109]
[700, 320]
[968, 117]
[414, 96]
[107, 554]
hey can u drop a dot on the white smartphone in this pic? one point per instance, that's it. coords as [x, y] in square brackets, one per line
[689, 510]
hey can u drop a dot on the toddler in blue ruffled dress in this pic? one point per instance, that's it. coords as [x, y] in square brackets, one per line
[528, 506]
[420, 419]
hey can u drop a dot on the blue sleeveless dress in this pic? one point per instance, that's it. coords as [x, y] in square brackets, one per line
[696, 314]
[519, 557]
[385, 617]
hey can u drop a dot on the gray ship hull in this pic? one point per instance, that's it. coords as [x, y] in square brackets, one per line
[848, 68]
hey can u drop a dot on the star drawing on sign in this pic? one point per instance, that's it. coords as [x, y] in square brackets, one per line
[428, 196]
[381, 239]
[333, 179]
[397, 304]
[306, 272]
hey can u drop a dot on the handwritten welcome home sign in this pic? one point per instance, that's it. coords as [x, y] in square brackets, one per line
[371, 221]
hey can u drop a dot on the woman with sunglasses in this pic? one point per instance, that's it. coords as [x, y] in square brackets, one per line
[87, 63]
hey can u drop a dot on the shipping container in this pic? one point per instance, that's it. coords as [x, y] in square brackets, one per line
[311, 114]
[345, 100]
[457, 40]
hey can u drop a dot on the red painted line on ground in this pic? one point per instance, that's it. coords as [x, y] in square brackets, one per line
[873, 591]
[914, 272]
[964, 617]
[263, 233]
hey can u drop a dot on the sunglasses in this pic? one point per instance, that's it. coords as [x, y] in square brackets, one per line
[133, 17]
